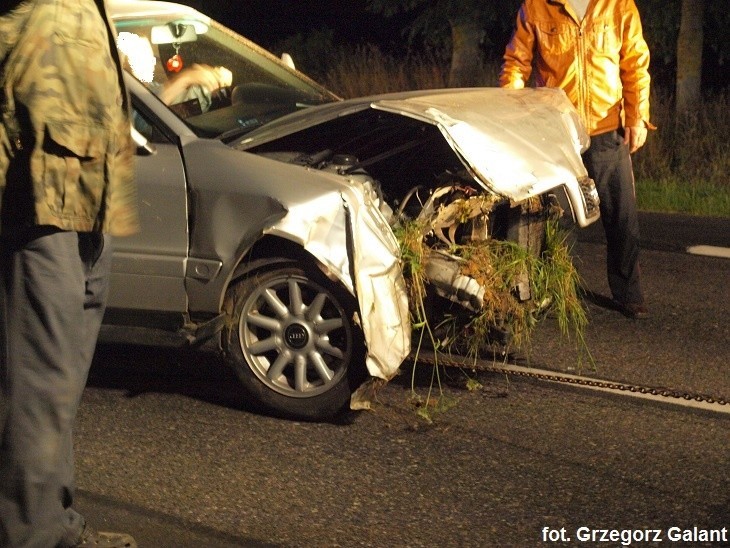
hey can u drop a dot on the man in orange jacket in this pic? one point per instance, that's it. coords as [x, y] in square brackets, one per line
[595, 52]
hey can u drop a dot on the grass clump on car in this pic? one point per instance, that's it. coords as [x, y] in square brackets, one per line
[501, 268]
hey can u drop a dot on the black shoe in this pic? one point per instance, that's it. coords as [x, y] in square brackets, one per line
[635, 311]
[92, 538]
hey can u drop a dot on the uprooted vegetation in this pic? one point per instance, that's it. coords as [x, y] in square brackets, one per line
[502, 288]
[513, 285]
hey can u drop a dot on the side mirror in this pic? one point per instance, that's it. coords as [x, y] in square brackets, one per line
[144, 147]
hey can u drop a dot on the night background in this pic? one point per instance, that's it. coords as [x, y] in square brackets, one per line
[309, 29]
[267, 22]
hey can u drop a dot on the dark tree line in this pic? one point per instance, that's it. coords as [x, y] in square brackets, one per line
[681, 33]
[688, 38]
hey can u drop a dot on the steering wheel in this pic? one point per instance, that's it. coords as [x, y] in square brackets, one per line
[220, 97]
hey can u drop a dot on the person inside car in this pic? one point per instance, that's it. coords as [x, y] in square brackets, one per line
[182, 83]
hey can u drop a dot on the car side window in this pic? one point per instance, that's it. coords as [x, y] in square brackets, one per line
[147, 127]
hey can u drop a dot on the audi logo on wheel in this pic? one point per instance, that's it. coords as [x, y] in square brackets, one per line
[296, 336]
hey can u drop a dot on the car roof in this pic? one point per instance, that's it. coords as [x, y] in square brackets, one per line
[124, 9]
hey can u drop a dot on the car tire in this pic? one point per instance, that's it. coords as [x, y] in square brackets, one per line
[293, 342]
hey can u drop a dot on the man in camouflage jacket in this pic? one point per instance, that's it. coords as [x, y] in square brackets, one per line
[66, 186]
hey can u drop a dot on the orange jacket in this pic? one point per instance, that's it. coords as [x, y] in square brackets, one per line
[601, 62]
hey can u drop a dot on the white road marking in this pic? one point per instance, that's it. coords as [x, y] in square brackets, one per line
[710, 250]
[566, 378]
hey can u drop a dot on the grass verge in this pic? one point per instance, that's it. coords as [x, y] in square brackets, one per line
[678, 196]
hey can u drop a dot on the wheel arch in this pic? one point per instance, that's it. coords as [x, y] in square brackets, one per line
[271, 251]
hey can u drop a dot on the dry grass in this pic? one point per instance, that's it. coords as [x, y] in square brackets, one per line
[498, 266]
[367, 70]
[685, 164]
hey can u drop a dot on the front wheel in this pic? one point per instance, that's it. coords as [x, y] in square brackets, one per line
[293, 342]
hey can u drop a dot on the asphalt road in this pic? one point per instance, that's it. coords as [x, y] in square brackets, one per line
[167, 451]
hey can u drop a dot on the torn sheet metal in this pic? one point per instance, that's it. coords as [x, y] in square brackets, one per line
[322, 226]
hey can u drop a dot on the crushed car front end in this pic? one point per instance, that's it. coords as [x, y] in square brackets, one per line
[459, 167]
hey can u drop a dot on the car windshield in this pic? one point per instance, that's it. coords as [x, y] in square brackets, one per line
[219, 83]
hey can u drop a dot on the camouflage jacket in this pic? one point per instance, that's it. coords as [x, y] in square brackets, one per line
[66, 155]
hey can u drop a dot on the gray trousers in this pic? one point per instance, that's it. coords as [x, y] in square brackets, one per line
[609, 164]
[53, 289]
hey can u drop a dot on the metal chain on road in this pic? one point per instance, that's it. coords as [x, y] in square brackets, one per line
[521, 371]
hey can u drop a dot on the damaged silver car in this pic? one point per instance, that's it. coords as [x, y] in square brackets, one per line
[270, 206]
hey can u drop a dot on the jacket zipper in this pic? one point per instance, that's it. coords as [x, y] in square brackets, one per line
[582, 76]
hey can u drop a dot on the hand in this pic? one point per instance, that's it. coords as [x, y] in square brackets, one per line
[635, 137]
[211, 78]
[207, 77]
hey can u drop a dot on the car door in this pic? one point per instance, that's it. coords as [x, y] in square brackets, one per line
[148, 271]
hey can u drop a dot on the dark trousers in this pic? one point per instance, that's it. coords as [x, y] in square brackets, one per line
[609, 164]
[53, 289]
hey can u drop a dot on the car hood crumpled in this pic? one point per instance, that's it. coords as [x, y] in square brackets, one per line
[517, 143]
